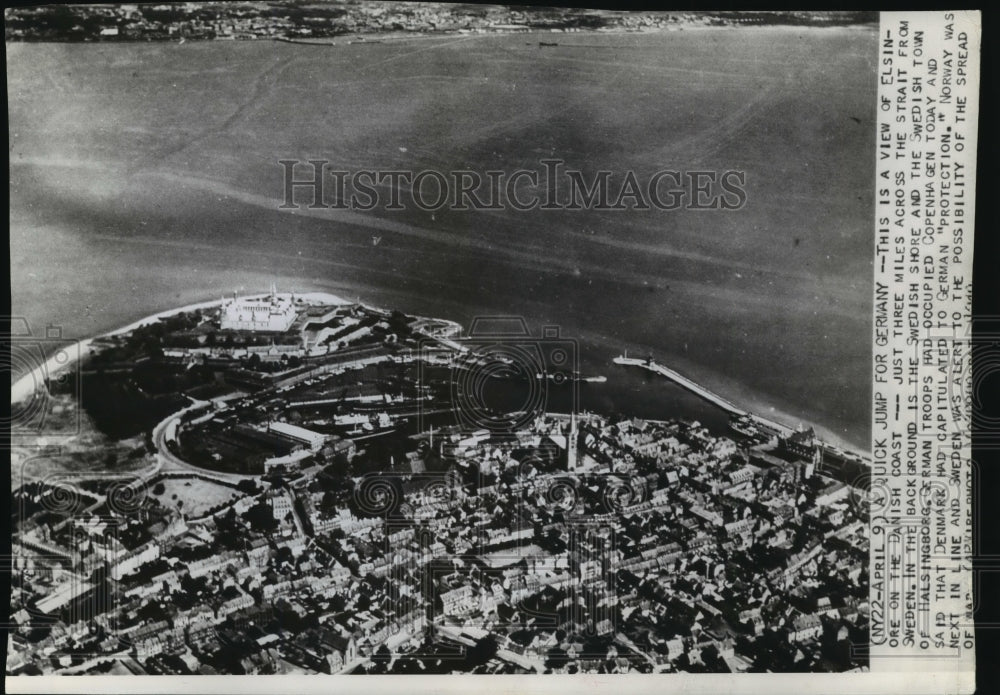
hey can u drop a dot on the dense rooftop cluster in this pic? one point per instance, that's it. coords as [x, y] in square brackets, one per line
[292, 19]
[305, 517]
[666, 549]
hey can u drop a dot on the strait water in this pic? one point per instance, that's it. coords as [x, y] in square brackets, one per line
[145, 176]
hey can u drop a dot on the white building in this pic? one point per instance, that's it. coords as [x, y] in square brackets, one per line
[314, 440]
[805, 627]
[274, 313]
[130, 562]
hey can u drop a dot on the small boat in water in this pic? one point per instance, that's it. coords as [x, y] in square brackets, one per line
[562, 377]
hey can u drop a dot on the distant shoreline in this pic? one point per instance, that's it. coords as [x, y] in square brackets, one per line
[340, 40]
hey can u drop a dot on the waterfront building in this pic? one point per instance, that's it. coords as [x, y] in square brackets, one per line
[274, 313]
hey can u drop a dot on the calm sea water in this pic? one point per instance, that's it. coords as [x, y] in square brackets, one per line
[146, 176]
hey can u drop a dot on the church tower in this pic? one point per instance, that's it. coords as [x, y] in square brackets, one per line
[816, 465]
[571, 443]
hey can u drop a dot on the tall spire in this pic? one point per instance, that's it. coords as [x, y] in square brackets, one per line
[571, 442]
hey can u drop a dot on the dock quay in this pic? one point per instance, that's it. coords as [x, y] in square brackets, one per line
[704, 393]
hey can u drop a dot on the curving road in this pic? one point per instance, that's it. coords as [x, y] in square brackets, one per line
[169, 461]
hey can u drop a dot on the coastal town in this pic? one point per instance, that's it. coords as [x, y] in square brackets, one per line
[291, 20]
[295, 483]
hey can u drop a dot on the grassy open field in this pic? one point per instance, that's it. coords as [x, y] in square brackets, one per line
[197, 496]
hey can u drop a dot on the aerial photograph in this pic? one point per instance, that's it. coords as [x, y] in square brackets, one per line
[382, 337]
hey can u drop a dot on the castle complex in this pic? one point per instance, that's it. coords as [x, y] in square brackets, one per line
[272, 313]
